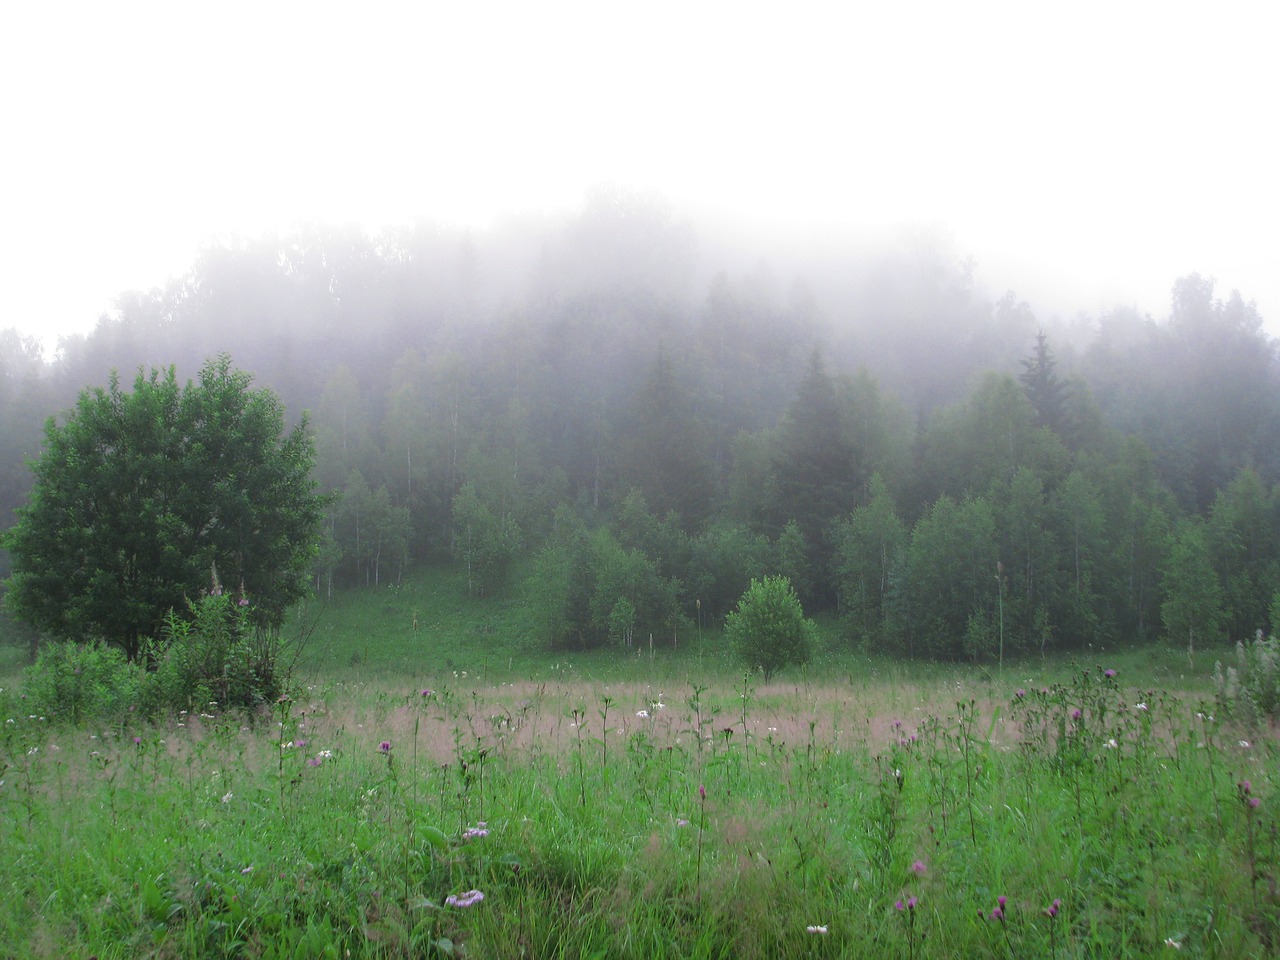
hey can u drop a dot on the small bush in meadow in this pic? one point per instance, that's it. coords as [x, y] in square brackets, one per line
[77, 682]
[1250, 691]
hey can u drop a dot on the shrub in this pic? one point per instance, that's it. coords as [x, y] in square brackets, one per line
[1250, 690]
[215, 654]
[76, 682]
[768, 627]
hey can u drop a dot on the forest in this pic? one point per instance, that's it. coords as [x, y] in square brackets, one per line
[642, 422]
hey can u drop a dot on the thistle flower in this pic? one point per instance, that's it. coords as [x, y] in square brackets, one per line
[464, 900]
[1109, 673]
[384, 746]
[918, 868]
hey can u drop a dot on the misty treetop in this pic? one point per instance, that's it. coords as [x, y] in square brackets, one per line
[648, 422]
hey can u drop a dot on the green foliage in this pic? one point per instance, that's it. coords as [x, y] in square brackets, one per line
[868, 553]
[212, 655]
[1192, 606]
[487, 543]
[81, 682]
[1250, 690]
[950, 575]
[138, 495]
[768, 627]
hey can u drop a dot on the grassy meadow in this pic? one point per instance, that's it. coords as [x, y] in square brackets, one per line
[438, 787]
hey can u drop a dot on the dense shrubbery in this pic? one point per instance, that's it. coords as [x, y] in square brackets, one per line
[211, 655]
[1250, 691]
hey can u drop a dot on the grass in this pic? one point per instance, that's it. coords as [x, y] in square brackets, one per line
[569, 791]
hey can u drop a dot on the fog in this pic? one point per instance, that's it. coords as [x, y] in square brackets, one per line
[1083, 161]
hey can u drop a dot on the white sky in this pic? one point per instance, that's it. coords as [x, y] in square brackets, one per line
[1086, 154]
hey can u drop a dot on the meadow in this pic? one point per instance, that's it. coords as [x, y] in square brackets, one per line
[435, 787]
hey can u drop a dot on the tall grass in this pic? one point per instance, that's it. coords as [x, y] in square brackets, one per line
[931, 814]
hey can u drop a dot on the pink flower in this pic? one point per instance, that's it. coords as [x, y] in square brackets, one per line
[384, 746]
[918, 867]
[464, 900]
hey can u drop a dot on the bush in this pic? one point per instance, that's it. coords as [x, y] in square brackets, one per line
[77, 682]
[212, 655]
[1250, 691]
[768, 627]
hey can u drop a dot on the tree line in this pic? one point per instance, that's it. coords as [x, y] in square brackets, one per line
[947, 473]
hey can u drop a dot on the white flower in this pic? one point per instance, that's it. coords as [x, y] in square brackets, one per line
[325, 754]
[1111, 744]
[820, 930]
[226, 797]
[642, 714]
[1139, 706]
[1246, 744]
[1170, 942]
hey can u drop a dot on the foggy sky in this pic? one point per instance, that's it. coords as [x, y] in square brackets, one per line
[1085, 156]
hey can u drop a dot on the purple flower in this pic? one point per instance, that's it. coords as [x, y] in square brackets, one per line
[314, 761]
[911, 903]
[1254, 802]
[137, 740]
[899, 906]
[1020, 694]
[1053, 909]
[1245, 787]
[244, 601]
[464, 900]
[702, 792]
[997, 914]
[918, 867]
[1076, 714]
[1108, 673]
[426, 693]
[384, 746]
[1002, 900]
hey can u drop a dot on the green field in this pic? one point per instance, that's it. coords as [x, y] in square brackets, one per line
[643, 804]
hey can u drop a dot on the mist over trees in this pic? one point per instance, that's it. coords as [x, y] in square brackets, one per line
[647, 424]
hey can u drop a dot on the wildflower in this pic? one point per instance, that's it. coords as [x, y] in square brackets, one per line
[1175, 944]
[642, 714]
[426, 693]
[1109, 673]
[324, 755]
[247, 870]
[682, 822]
[1140, 706]
[702, 792]
[998, 914]
[1246, 787]
[464, 900]
[1076, 714]
[384, 746]
[137, 741]
[1245, 744]
[1020, 694]
[658, 705]
[1254, 802]
[314, 761]
[918, 868]
[1053, 909]
[226, 797]
[244, 601]
[475, 833]
[820, 930]
[1111, 744]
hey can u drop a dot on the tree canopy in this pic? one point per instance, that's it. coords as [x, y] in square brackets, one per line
[143, 498]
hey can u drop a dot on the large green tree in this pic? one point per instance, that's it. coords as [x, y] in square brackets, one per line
[139, 496]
